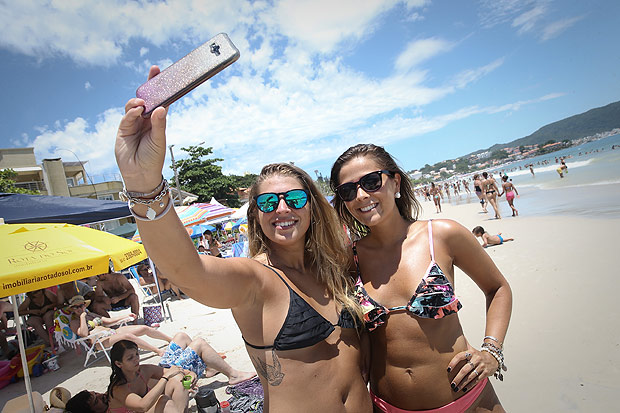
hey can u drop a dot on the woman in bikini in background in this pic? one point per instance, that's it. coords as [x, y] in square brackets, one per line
[489, 186]
[510, 191]
[479, 193]
[292, 302]
[421, 359]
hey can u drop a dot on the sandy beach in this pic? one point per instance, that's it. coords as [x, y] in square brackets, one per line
[562, 348]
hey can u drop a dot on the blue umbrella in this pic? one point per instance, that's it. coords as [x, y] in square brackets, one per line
[238, 223]
[197, 230]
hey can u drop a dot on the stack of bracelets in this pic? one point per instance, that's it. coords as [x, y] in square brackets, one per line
[497, 352]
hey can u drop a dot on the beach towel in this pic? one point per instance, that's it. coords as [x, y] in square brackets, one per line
[247, 396]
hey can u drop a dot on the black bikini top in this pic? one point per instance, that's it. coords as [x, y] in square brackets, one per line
[303, 325]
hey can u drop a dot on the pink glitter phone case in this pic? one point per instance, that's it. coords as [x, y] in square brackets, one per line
[189, 72]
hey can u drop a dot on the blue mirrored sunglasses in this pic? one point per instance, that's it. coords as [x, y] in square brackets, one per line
[295, 198]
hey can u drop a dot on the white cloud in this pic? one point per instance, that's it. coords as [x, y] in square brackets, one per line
[143, 51]
[556, 28]
[472, 75]
[417, 51]
[526, 21]
[88, 86]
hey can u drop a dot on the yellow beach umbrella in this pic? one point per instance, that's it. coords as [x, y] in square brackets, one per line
[35, 256]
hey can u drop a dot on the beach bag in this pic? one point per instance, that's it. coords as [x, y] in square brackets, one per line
[152, 314]
[247, 396]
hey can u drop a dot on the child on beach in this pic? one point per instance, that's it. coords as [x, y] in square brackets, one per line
[487, 239]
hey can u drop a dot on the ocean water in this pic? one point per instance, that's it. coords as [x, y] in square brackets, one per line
[590, 188]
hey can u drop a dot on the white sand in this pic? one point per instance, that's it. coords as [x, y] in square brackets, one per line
[563, 344]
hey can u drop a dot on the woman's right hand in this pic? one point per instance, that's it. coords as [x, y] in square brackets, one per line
[140, 146]
[172, 371]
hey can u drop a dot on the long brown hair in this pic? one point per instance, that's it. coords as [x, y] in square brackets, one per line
[407, 205]
[325, 249]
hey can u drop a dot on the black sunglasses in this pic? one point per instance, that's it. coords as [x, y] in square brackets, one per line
[371, 182]
[295, 198]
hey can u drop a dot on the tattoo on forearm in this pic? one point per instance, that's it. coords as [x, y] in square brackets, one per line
[272, 373]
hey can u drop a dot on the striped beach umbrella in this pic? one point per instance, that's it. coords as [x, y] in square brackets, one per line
[197, 214]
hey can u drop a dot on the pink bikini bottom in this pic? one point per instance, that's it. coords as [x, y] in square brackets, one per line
[457, 406]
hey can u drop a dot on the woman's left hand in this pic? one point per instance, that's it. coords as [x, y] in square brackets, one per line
[475, 366]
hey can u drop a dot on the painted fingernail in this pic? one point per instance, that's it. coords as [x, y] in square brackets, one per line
[464, 389]
[449, 369]
[453, 386]
[456, 389]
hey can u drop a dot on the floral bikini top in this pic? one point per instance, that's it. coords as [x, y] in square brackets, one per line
[434, 297]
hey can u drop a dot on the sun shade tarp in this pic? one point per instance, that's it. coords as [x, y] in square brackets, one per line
[23, 209]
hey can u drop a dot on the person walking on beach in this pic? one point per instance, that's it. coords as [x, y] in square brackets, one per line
[478, 189]
[435, 192]
[489, 186]
[488, 239]
[532, 170]
[290, 300]
[405, 270]
[510, 191]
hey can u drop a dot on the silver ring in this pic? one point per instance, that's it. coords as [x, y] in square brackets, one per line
[473, 366]
[474, 370]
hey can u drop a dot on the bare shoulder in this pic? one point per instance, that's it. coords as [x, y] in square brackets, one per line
[451, 233]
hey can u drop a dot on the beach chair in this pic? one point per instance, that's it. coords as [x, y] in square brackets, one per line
[92, 344]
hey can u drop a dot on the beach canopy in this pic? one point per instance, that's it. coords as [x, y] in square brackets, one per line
[35, 256]
[200, 213]
[22, 208]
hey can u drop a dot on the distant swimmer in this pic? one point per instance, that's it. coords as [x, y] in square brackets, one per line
[510, 191]
[532, 170]
[488, 239]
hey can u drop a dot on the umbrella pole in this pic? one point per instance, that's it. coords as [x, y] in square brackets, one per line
[161, 301]
[22, 352]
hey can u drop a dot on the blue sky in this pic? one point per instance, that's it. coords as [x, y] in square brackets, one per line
[429, 80]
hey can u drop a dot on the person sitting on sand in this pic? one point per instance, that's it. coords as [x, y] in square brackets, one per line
[184, 352]
[129, 390]
[487, 239]
[84, 323]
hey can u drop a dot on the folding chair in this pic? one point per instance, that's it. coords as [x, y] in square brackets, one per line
[92, 344]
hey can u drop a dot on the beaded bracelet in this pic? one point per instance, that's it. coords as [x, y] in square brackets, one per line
[498, 355]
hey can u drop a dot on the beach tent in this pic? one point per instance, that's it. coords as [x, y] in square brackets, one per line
[36, 256]
[241, 212]
[22, 208]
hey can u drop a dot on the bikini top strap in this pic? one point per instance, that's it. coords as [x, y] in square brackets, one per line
[279, 276]
[430, 239]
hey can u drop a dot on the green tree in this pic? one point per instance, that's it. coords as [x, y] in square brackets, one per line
[202, 176]
[499, 155]
[7, 183]
[244, 181]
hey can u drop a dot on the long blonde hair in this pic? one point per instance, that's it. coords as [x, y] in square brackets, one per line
[325, 250]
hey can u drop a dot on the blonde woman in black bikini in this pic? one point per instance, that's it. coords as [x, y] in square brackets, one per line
[489, 186]
[421, 360]
[292, 301]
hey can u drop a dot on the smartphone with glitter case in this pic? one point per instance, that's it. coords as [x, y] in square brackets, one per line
[186, 74]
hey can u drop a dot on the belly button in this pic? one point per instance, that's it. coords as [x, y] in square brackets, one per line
[409, 372]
